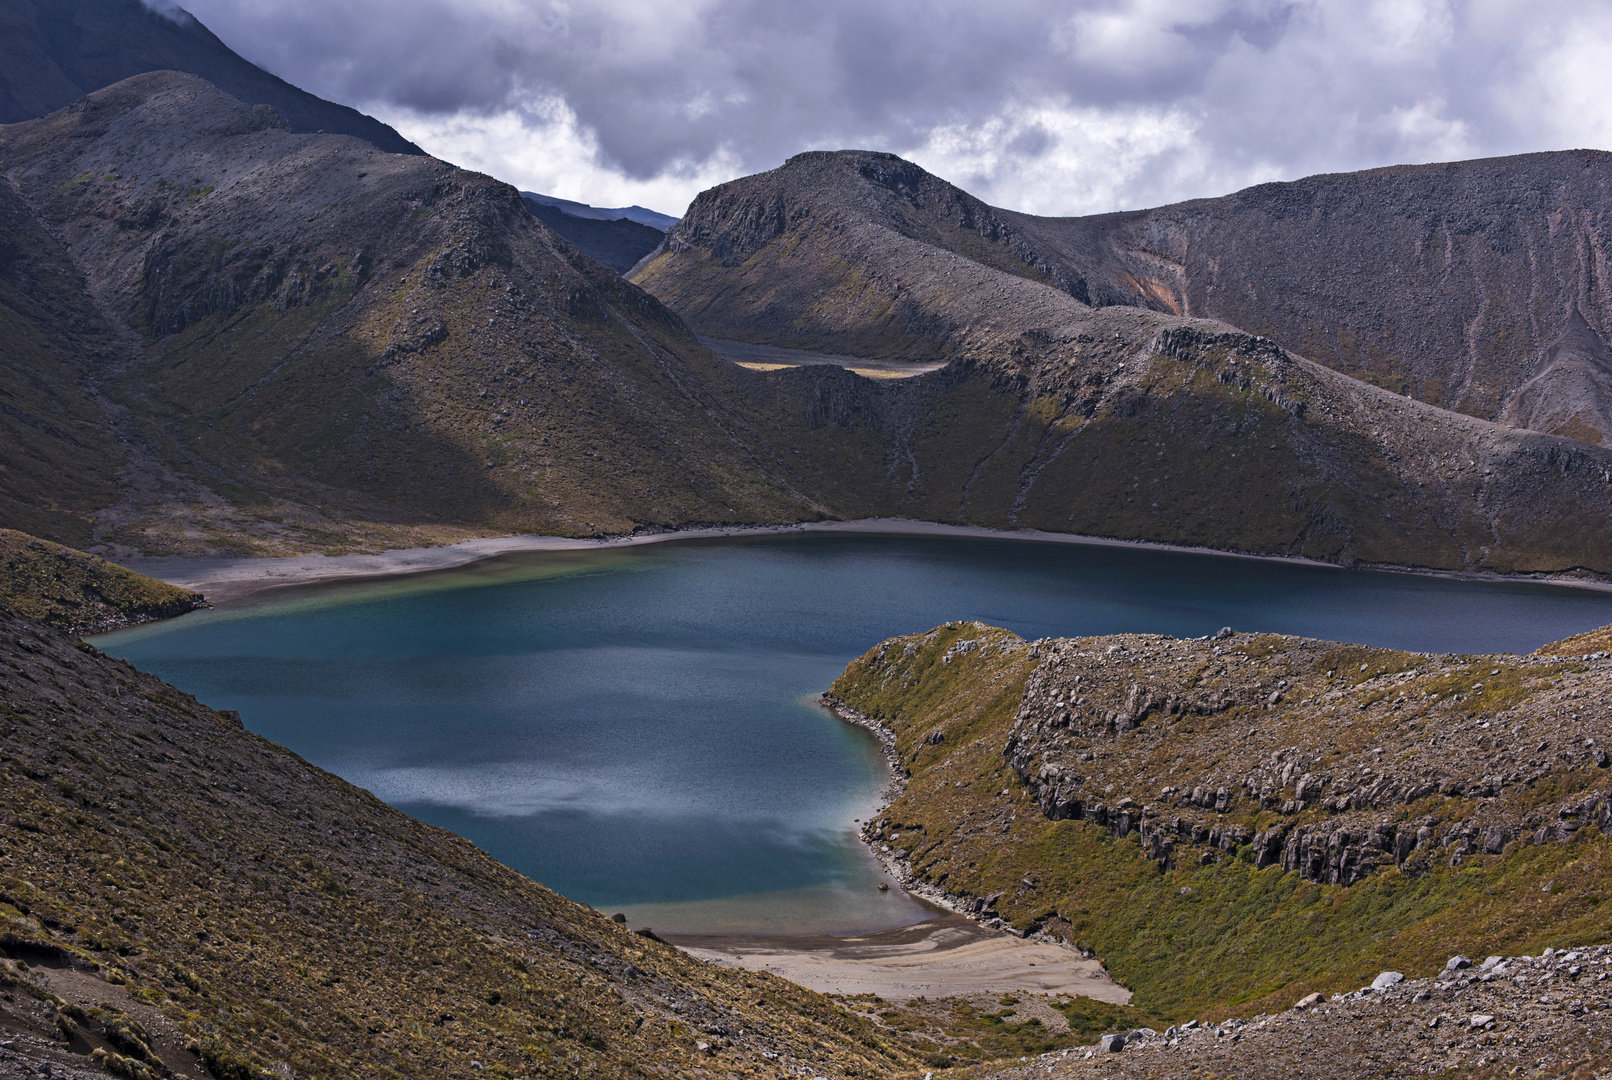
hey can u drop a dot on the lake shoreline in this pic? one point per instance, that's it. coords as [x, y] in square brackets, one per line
[225, 578]
[946, 956]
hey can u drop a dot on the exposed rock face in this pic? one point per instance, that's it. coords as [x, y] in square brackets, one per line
[1366, 745]
[1453, 282]
[1572, 394]
[53, 52]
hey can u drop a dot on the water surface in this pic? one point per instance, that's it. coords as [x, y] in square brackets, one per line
[633, 726]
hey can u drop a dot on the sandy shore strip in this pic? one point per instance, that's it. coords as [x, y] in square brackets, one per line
[224, 578]
[942, 957]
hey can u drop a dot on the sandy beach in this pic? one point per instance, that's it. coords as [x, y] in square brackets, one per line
[942, 957]
[224, 578]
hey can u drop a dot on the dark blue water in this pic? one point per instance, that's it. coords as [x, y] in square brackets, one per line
[630, 726]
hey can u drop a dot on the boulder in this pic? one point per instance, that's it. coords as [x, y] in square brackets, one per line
[1456, 963]
[1307, 1000]
[1112, 1044]
[1387, 980]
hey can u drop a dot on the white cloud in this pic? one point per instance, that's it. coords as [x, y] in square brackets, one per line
[542, 147]
[1564, 90]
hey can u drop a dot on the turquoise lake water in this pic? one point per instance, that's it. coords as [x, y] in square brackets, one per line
[633, 726]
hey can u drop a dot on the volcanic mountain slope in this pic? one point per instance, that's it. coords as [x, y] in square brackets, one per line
[1475, 286]
[173, 887]
[1457, 283]
[53, 52]
[1114, 421]
[62, 459]
[1233, 823]
[323, 344]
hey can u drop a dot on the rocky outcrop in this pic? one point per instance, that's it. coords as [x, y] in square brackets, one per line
[1091, 712]
[1549, 1014]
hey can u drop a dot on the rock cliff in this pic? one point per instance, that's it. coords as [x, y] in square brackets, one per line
[1458, 283]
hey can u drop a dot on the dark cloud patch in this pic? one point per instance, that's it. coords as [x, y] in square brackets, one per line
[1277, 87]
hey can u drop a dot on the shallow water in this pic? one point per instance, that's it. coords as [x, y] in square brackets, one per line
[633, 727]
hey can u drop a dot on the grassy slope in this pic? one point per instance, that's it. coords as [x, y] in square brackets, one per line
[276, 913]
[69, 589]
[1213, 940]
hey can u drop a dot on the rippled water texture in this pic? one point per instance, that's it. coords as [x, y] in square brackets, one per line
[632, 726]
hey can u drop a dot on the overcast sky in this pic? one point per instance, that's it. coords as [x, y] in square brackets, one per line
[1053, 108]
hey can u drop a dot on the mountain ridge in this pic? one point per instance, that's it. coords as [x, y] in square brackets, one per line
[325, 344]
[53, 52]
[1114, 420]
[1408, 275]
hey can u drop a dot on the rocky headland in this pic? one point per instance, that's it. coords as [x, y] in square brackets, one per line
[1249, 818]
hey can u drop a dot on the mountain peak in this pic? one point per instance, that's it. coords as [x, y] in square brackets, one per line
[54, 52]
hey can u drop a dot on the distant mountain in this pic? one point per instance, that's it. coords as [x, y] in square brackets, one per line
[1472, 285]
[232, 334]
[1117, 420]
[53, 52]
[657, 221]
[618, 242]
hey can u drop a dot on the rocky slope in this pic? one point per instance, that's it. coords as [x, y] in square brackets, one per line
[1113, 421]
[1543, 1016]
[1473, 285]
[70, 590]
[309, 342]
[176, 892]
[63, 458]
[1232, 823]
[53, 52]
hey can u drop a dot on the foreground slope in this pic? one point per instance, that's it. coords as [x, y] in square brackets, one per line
[1112, 421]
[210, 894]
[320, 344]
[53, 52]
[1231, 824]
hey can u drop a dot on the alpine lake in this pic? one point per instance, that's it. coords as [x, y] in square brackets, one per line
[635, 727]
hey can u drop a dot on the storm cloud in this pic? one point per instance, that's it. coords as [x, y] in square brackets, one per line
[1047, 107]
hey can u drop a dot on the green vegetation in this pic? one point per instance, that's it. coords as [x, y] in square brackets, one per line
[69, 589]
[1217, 937]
